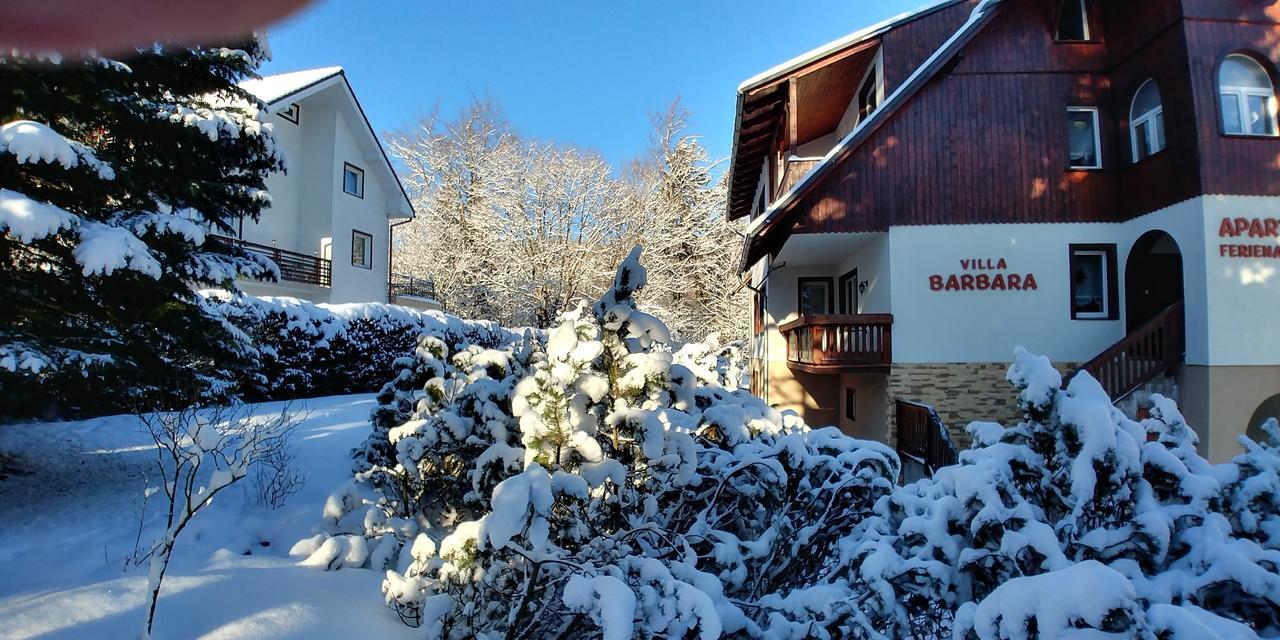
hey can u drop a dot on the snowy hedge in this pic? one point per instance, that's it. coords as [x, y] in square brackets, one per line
[303, 349]
[279, 349]
[596, 487]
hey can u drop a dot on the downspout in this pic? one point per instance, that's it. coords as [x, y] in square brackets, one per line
[391, 247]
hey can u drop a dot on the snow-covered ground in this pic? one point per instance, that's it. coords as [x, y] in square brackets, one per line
[68, 521]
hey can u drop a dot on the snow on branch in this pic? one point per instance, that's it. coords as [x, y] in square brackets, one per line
[29, 220]
[32, 142]
[105, 249]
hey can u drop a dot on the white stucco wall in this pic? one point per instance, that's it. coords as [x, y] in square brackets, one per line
[279, 222]
[985, 326]
[367, 214]
[1243, 294]
[872, 262]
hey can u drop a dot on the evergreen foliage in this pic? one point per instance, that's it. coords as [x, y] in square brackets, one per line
[115, 179]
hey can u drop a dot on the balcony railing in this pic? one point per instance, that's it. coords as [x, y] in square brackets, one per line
[406, 285]
[835, 343]
[793, 171]
[294, 266]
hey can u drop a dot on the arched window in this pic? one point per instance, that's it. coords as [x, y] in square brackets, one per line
[1146, 121]
[1248, 99]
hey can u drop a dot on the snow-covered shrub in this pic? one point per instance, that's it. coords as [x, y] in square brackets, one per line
[306, 350]
[1076, 518]
[715, 363]
[594, 486]
[600, 485]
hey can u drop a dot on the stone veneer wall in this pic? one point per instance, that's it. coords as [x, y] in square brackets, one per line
[961, 392]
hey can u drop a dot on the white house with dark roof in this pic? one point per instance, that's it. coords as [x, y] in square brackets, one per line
[330, 224]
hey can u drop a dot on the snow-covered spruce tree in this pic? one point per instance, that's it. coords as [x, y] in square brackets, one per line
[114, 179]
[597, 489]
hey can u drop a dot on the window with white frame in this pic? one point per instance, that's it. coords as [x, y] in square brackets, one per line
[1247, 97]
[1073, 22]
[352, 180]
[1146, 121]
[361, 249]
[1083, 142]
[1094, 295]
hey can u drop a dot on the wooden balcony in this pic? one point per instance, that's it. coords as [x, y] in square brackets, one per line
[840, 343]
[794, 170]
[294, 266]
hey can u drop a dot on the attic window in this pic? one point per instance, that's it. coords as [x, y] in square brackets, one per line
[1073, 22]
[353, 180]
[870, 93]
[291, 113]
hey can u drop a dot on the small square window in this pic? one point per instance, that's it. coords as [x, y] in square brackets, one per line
[292, 113]
[361, 250]
[353, 180]
[1082, 138]
[850, 404]
[1093, 282]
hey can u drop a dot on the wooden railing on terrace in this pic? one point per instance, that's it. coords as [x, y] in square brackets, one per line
[1154, 348]
[834, 343]
[294, 266]
[924, 446]
[795, 169]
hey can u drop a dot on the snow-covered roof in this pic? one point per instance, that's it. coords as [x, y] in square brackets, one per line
[281, 89]
[841, 44]
[980, 16]
[273, 88]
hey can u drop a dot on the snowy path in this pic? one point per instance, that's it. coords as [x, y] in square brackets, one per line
[68, 523]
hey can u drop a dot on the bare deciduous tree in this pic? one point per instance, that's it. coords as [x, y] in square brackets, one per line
[201, 452]
[518, 231]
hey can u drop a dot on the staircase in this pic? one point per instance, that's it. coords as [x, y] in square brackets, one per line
[924, 445]
[1151, 351]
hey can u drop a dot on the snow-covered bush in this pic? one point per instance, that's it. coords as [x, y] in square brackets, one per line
[593, 486]
[1076, 518]
[306, 350]
[715, 363]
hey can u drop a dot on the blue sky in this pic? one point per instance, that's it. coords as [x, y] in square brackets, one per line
[581, 72]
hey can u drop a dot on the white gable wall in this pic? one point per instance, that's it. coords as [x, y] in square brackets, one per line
[309, 207]
[368, 215]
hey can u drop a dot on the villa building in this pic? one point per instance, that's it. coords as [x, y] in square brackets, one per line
[1096, 181]
[333, 212]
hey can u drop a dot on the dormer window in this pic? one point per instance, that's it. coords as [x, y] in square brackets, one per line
[871, 91]
[291, 113]
[1073, 22]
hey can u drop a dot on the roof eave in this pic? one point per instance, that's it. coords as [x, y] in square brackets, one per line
[755, 232]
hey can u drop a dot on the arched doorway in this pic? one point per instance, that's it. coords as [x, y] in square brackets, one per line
[1152, 277]
[1270, 408]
